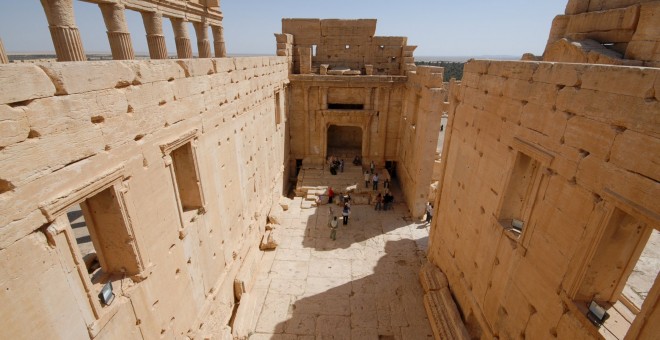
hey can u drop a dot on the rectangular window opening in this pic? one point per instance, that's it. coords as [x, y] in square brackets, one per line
[621, 273]
[517, 197]
[314, 51]
[278, 109]
[187, 181]
[103, 238]
[84, 240]
[338, 106]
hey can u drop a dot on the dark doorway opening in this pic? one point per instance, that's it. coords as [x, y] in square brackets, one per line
[344, 142]
[391, 168]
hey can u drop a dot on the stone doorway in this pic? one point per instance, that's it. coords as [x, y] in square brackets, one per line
[344, 142]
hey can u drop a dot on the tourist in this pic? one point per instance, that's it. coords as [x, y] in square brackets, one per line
[331, 195]
[386, 184]
[333, 228]
[429, 212]
[379, 202]
[387, 201]
[372, 167]
[375, 181]
[357, 160]
[347, 199]
[341, 165]
[346, 212]
[366, 179]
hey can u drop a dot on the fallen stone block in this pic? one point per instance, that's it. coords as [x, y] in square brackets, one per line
[275, 214]
[268, 241]
[432, 278]
[247, 273]
[443, 315]
[284, 203]
[244, 318]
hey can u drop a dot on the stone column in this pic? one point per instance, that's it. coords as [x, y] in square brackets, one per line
[153, 25]
[183, 48]
[3, 54]
[118, 34]
[63, 30]
[219, 41]
[203, 43]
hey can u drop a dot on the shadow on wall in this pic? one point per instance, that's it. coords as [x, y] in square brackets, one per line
[358, 300]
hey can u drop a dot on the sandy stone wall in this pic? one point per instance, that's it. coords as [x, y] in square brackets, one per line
[125, 132]
[620, 32]
[571, 151]
[419, 131]
[379, 117]
[346, 43]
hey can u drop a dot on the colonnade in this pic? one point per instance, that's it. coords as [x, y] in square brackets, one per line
[68, 45]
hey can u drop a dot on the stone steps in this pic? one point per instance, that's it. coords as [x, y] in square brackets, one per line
[313, 184]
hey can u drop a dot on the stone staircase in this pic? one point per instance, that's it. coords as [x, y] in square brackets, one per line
[313, 184]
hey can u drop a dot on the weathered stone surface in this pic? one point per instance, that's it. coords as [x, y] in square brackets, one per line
[71, 78]
[23, 82]
[181, 163]
[268, 241]
[116, 117]
[575, 128]
[432, 278]
[14, 125]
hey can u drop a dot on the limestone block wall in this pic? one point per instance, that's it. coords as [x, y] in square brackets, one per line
[571, 151]
[378, 116]
[348, 43]
[611, 32]
[179, 162]
[419, 131]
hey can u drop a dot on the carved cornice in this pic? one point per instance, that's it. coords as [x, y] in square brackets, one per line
[187, 10]
[58, 205]
[183, 139]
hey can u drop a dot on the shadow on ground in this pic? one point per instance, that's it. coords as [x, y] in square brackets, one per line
[364, 223]
[361, 297]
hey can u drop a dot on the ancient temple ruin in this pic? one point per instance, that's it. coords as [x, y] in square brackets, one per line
[550, 171]
[148, 198]
[353, 93]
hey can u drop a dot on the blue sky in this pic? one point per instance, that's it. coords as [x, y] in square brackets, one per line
[438, 27]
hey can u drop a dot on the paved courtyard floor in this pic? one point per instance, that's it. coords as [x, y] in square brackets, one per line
[364, 285]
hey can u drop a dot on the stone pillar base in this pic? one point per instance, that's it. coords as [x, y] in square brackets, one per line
[220, 51]
[68, 45]
[204, 48]
[3, 54]
[121, 46]
[156, 43]
[183, 48]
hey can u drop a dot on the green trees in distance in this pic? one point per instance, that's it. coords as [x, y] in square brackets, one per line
[453, 69]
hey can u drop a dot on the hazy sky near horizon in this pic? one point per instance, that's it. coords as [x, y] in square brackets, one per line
[438, 27]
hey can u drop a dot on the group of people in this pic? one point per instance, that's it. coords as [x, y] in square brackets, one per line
[384, 202]
[334, 222]
[336, 165]
[373, 179]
